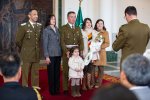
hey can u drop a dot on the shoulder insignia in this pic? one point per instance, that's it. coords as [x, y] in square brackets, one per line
[37, 92]
[39, 23]
[23, 24]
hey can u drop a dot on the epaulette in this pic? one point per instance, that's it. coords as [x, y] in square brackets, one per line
[37, 92]
[39, 23]
[23, 24]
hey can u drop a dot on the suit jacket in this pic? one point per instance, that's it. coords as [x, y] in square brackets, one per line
[51, 42]
[71, 37]
[132, 38]
[142, 93]
[14, 91]
[28, 41]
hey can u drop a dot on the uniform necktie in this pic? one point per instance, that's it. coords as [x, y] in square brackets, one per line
[72, 26]
[34, 25]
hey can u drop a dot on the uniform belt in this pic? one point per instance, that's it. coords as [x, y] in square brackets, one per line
[70, 46]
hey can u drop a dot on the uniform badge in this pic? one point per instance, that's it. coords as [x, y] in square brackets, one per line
[23, 24]
[39, 24]
[28, 25]
[28, 31]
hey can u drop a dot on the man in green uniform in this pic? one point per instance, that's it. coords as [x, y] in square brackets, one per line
[70, 36]
[28, 42]
[132, 37]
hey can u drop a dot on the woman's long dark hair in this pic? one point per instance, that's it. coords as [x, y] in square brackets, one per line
[95, 27]
[48, 20]
[84, 23]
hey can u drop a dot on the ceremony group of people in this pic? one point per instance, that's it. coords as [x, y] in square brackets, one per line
[59, 43]
[75, 47]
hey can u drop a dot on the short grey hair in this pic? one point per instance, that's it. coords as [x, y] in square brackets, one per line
[137, 69]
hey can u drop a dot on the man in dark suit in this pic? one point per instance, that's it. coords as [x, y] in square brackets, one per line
[28, 42]
[133, 37]
[114, 92]
[135, 75]
[10, 70]
[70, 36]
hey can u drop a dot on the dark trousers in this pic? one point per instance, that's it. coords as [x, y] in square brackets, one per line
[53, 70]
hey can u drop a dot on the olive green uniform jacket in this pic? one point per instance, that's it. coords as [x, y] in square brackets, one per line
[69, 36]
[28, 41]
[132, 38]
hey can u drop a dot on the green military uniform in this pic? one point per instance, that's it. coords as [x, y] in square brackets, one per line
[69, 36]
[132, 38]
[28, 41]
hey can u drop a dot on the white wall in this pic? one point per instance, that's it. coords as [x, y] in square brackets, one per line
[142, 10]
[55, 10]
[89, 9]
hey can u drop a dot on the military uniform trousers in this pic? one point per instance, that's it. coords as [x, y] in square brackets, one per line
[30, 69]
[65, 72]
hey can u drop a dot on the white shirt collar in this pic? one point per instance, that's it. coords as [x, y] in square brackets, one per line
[138, 87]
[71, 25]
[32, 23]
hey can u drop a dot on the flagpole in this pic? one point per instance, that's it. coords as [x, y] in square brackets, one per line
[80, 1]
[79, 19]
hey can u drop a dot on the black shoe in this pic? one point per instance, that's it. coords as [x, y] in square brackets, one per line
[66, 92]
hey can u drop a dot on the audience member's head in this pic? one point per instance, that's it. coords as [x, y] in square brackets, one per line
[135, 71]
[10, 67]
[114, 92]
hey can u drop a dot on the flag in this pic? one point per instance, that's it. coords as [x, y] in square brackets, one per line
[79, 20]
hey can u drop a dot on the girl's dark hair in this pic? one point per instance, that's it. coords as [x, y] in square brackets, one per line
[95, 27]
[84, 23]
[48, 20]
[72, 50]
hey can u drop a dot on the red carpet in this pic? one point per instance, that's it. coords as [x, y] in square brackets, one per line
[85, 95]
